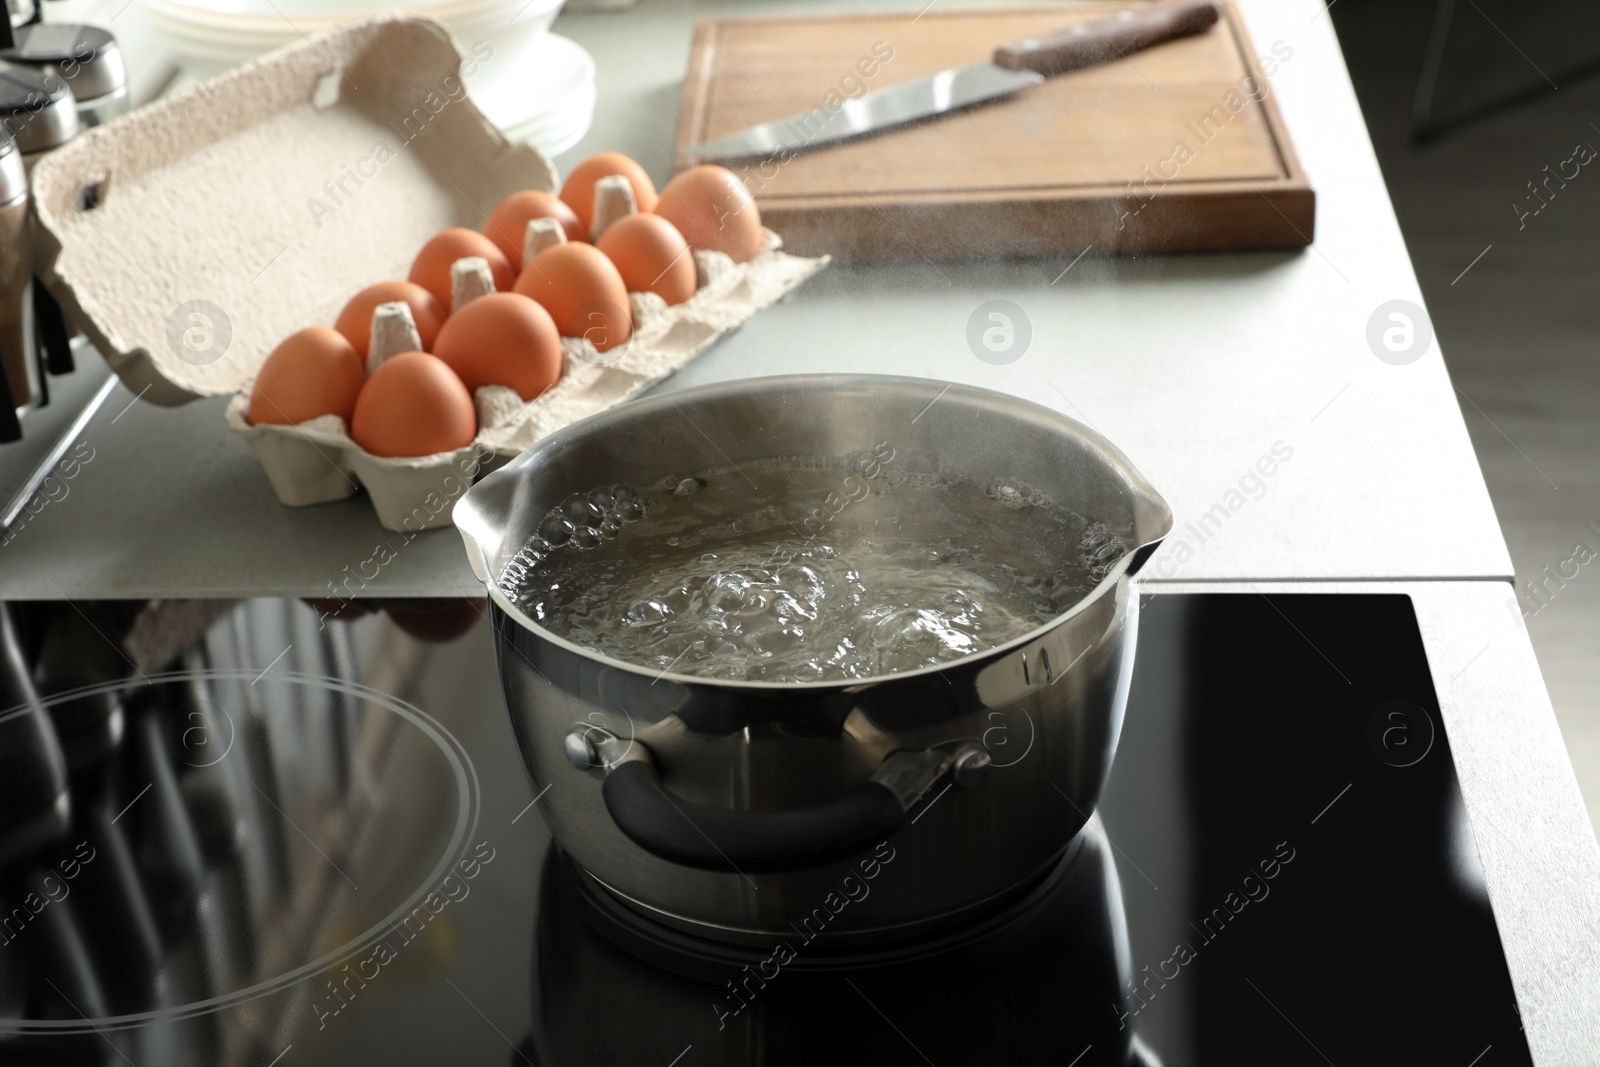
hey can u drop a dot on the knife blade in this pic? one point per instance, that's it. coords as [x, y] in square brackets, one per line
[1014, 67]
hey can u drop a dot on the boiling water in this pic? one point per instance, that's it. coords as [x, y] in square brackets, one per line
[792, 570]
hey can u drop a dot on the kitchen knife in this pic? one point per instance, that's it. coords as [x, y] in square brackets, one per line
[1015, 66]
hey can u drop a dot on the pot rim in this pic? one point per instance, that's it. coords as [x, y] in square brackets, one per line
[1152, 518]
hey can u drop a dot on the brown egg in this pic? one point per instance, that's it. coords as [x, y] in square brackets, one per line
[334, 608]
[431, 268]
[713, 209]
[508, 222]
[502, 339]
[582, 291]
[436, 622]
[578, 192]
[313, 372]
[355, 321]
[413, 405]
[651, 255]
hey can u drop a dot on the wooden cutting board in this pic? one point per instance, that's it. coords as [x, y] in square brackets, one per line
[1177, 148]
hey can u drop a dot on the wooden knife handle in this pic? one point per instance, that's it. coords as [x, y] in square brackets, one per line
[1101, 40]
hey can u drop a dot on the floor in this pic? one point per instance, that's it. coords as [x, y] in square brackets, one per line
[1511, 286]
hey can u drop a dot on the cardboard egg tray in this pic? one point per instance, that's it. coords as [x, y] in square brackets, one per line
[315, 462]
[190, 237]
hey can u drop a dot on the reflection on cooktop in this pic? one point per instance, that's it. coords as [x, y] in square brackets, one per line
[249, 834]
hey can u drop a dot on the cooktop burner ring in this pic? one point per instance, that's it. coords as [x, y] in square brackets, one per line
[693, 955]
[464, 779]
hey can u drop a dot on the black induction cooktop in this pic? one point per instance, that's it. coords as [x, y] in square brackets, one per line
[256, 834]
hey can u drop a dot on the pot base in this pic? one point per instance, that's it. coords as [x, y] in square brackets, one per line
[710, 953]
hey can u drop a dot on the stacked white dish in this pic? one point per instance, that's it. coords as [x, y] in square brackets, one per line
[543, 92]
[243, 29]
[537, 86]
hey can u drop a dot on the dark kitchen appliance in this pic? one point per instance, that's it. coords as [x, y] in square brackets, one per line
[311, 842]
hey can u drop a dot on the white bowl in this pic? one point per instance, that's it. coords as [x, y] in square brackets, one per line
[539, 88]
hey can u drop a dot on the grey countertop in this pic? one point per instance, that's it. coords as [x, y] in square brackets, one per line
[1195, 365]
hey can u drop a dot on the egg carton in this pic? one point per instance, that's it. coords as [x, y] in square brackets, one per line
[191, 236]
[317, 462]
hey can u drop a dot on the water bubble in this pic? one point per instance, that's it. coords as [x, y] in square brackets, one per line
[647, 613]
[556, 529]
[1097, 535]
[1007, 492]
[867, 465]
[580, 510]
[725, 586]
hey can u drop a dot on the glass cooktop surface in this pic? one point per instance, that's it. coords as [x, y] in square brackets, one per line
[245, 834]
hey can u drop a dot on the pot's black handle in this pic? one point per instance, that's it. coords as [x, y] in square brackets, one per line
[747, 842]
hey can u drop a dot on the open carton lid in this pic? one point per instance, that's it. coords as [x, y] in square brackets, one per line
[228, 216]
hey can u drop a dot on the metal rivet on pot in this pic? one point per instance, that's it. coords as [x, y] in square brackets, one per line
[971, 766]
[580, 750]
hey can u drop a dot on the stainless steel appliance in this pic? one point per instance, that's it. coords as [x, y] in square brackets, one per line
[17, 360]
[37, 109]
[37, 114]
[718, 805]
[85, 59]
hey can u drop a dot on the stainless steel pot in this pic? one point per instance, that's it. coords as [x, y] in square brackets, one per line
[840, 812]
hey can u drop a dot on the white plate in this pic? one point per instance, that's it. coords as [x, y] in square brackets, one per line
[275, 16]
[536, 86]
[553, 140]
[237, 30]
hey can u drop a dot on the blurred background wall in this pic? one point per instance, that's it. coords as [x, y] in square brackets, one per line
[1495, 175]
